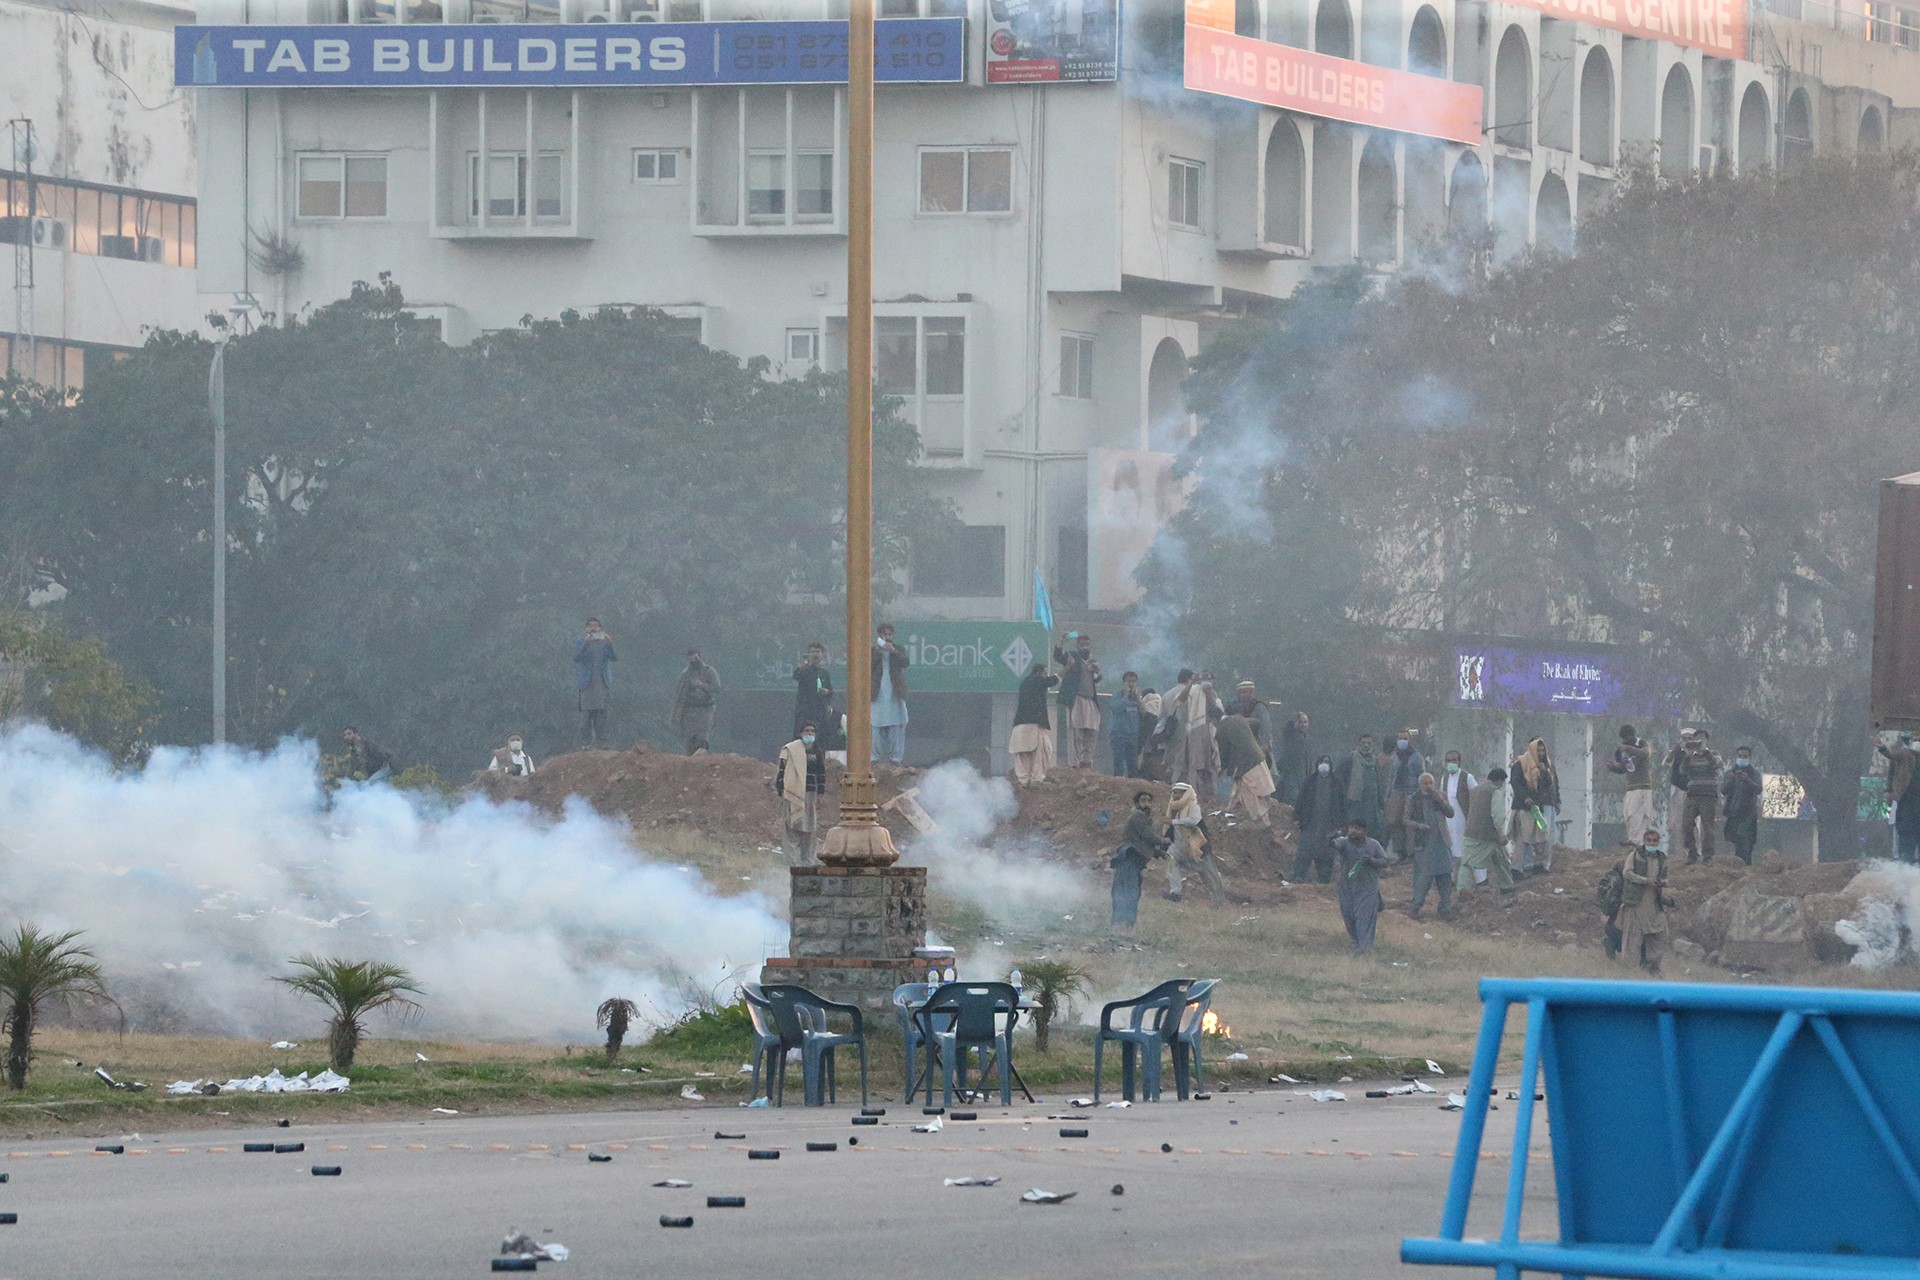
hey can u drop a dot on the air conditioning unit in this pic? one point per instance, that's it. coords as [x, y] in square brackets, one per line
[644, 17]
[49, 233]
[598, 15]
[488, 18]
[153, 249]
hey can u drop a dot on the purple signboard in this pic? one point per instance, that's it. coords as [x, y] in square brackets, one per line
[1542, 680]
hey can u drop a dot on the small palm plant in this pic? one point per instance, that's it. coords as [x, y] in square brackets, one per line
[351, 989]
[38, 969]
[1051, 985]
[616, 1014]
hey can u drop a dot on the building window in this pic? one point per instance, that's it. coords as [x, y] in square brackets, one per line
[970, 561]
[341, 186]
[96, 220]
[966, 180]
[922, 360]
[1076, 366]
[506, 184]
[803, 347]
[813, 186]
[656, 166]
[1183, 192]
[61, 366]
[767, 186]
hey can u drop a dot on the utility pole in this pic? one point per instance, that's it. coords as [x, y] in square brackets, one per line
[20, 134]
[859, 840]
[217, 404]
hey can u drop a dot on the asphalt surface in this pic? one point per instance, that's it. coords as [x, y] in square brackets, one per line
[1257, 1184]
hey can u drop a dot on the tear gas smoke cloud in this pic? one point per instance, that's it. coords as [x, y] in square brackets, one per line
[1011, 881]
[1883, 928]
[195, 879]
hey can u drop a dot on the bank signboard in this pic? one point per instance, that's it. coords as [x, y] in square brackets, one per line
[560, 55]
[970, 657]
[1502, 679]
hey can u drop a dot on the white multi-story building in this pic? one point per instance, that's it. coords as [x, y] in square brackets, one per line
[1048, 255]
[97, 161]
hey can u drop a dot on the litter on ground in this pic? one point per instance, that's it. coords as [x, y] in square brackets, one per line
[272, 1082]
[1037, 1196]
[972, 1182]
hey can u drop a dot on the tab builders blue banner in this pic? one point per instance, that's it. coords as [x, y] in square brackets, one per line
[476, 55]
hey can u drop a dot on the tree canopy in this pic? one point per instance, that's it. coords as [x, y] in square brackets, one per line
[416, 531]
[1668, 442]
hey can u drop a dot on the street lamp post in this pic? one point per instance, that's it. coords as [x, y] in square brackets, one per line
[217, 403]
[859, 840]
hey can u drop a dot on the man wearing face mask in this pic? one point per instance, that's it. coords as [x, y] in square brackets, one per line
[593, 659]
[800, 779]
[888, 695]
[1633, 761]
[1701, 768]
[1317, 813]
[1404, 766]
[1123, 727]
[1741, 791]
[512, 759]
[1079, 700]
[1359, 778]
[1456, 786]
[1642, 919]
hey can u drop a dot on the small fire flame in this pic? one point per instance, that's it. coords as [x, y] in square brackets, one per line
[1211, 1025]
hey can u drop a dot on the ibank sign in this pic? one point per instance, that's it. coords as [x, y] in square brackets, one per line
[436, 55]
[970, 657]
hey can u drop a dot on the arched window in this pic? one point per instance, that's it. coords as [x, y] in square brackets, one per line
[1513, 92]
[1333, 29]
[1553, 217]
[1796, 134]
[1755, 138]
[1169, 426]
[1676, 124]
[1377, 225]
[1332, 194]
[1467, 196]
[1284, 187]
[1872, 136]
[1427, 44]
[1596, 108]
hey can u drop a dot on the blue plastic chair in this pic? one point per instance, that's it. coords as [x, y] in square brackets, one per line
[767, 1045]
[981, 1017]
[1741, 1133]
[1141, 1039]
[907, 997]
[800, 1017]
[1185, 1037]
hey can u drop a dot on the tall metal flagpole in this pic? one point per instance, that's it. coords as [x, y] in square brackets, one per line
[859, 839]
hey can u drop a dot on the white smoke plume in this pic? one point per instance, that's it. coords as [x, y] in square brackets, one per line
[196, 878]
[1884, 928]
[1008, 879]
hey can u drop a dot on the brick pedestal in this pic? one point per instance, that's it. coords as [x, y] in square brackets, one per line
[853, 932]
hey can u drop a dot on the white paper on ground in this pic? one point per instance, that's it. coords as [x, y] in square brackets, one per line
[1037, 1196]
[932, 1126]
[1434, 1067]
[272, 1082]
[691, 1094]
[972, 1182]
[1327, 1095]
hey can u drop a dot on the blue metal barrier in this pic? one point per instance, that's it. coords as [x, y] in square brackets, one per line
[1742, 1133]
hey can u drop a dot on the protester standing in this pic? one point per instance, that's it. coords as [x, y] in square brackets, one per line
[1242, 760]
[367, 760]
[888, 697]
[800, 780]
[1123, 727]
[1404, 766]
[1455, 786]
[813, 692]
[1079, 700]
[512, 759]
[1643, 909]
[1427, 815]
[1741, 790]
[1633, 761]
[1031, 741]
[1247, 704]
[1316, 812]
[1903, 793]
[1536, 801]
[1361, 861]
[1293, 757]
[1701, 769]
[1483, 845]
[1359, 776]
[1675, 765]
[1130, 860]
[1153, 736]
[695, 694]
[593, 659]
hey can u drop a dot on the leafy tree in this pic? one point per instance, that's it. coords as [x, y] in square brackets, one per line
[615, 1015]
[71, 685]
[417, 531]
[38, 969]
[350, 989]
[1669, 443]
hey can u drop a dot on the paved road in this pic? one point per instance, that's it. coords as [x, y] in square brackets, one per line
[1258, 1185]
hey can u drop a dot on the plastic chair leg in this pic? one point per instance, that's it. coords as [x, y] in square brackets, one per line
[1098, 1045]
[863, 1073]
[1129, 1070]
[1006, 1072]
[1180, 1069]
